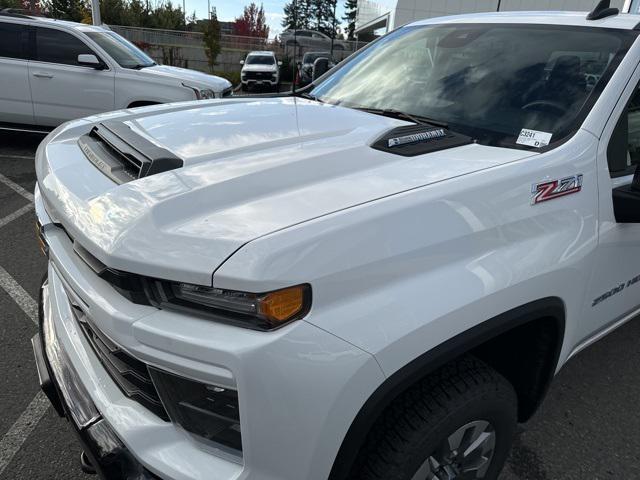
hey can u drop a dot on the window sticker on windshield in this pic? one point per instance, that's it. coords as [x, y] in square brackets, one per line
[534, 138]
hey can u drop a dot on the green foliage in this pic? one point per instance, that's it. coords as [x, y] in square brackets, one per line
[17, 4]
[286, 70]
[168, 17]
[74, 10]
[233, 77]
[311, 15]
[350, 13]
[211, 39]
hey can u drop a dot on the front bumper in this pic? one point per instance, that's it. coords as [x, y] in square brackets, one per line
[108, 455]
[299, 387]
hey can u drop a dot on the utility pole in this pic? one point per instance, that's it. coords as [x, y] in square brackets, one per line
[294, 63]
[499, 2]
[184, 12]
[95, 12]
[209, 9]
[333, 30]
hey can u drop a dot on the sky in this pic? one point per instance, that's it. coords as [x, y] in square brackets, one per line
[228, 10]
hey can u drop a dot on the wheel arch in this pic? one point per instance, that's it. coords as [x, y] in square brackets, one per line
[547, 313]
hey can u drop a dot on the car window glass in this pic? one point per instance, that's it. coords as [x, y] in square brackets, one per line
[260, 60]
[55, 46]
[122, 51]
[12, 40]
[476, 79]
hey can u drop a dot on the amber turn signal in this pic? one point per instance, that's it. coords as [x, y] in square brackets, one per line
[279, 306]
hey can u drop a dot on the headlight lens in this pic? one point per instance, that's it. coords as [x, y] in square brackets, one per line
[261, 311]
[209, 411]
[206, 94]
[201, 93]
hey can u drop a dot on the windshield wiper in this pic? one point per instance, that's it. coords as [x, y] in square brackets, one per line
[308, 96]
[418, 119]
[140, 66]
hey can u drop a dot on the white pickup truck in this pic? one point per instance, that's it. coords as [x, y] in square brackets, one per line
[375, 278]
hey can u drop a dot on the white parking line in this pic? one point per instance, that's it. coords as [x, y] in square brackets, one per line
[19, 295]
[17, 214]
[16, 188]
[13, 440]
[22, 428]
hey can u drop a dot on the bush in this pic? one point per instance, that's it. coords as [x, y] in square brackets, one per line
[233, 77]
[286, 70]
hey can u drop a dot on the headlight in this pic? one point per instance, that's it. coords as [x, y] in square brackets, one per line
[261, 311]
[205, 94]
[208, 411]
[201, 93]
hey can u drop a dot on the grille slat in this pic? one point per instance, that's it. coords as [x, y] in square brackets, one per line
[130, 374]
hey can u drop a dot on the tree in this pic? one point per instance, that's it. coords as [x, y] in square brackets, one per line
[322, 13]
[297, 15]
[211, 39]
[311, 15]
[167, 17]
[350, 14]
[74, 10]
[252, 23]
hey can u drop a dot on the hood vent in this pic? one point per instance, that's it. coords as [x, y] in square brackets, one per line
[413, 140]
[123, 155]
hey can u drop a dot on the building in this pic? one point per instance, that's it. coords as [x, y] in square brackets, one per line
[377, 17]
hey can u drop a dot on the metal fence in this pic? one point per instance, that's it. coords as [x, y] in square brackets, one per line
[186, 49]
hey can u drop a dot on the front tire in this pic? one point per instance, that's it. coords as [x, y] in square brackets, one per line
[458, 424]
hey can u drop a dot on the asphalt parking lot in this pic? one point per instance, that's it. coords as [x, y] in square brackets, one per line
[586, 429]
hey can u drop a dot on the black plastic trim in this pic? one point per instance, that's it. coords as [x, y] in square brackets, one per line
[550, 307]
[123, 155]
[603, 10]
[106, 452]
[25, 127]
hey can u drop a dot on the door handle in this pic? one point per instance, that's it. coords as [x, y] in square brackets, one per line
[42, 75]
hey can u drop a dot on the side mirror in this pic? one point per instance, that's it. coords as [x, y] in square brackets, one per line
[320, 67]
[626, 198]
[241, 62]
[626, 201]
[90, 60]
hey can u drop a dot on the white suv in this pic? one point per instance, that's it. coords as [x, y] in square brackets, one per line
[372, 279]
[260, 69]
[54, 71]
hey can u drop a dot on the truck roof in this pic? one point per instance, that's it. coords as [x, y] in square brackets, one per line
[623, 21]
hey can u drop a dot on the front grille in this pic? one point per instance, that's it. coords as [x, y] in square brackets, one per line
[131, 375]
[258, 76]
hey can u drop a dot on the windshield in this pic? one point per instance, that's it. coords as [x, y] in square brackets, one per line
[126, 54]
[492, 82]
[260, 60]
[312, 57]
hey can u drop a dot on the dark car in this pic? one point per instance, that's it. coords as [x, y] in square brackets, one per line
[305, 70]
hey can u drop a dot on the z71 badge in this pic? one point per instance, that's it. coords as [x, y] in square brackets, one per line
[541, 192]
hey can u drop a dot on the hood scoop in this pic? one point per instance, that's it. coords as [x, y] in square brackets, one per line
[123, 155]
[413, 140]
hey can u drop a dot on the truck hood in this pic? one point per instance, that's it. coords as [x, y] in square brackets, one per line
[251, 167]
[259, 68]
[190, 77]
